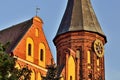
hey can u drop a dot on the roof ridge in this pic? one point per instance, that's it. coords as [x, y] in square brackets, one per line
[16, 24]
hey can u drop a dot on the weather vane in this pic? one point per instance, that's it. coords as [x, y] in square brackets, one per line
[37, 10]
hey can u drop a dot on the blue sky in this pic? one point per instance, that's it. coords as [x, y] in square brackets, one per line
[51, 12]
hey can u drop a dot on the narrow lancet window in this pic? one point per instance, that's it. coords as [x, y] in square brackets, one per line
[29, 49]
[88, 57]
[98, 62]
[41, 54]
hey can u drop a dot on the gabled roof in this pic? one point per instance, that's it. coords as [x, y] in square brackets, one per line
[14, 34]
[79, 16]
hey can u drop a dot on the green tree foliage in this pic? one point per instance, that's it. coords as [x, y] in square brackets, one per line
[8, 71]
[52, 73]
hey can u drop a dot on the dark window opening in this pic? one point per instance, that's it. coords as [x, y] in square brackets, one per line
[29, 49]
[70, 77]
[90, 75]
[41, 54]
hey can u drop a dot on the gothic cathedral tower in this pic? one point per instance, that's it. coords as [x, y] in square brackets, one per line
[80, 43]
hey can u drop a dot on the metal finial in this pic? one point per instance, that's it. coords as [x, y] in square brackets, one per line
[37, 10]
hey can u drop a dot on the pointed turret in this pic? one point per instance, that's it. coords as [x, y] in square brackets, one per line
[79, 16]
[80, 43]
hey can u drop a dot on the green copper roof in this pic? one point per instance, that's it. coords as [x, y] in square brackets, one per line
[79, 16]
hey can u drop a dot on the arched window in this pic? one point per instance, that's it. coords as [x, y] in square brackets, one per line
[29, 49]
[41, 54]
[36, 32]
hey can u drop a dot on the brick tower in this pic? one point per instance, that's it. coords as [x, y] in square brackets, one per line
[80, 43]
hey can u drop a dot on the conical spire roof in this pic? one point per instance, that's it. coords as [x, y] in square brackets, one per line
[79, 16]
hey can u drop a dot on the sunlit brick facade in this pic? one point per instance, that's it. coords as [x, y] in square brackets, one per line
[28, 43]
[80, 43]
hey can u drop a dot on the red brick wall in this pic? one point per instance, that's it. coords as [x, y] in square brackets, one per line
[20, 49]
[82, 41]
